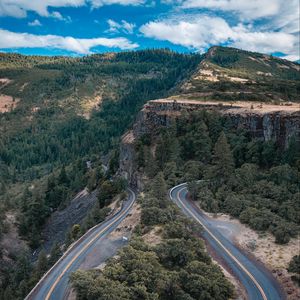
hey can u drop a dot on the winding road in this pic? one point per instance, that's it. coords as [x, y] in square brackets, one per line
[257, 281]
[54, 284]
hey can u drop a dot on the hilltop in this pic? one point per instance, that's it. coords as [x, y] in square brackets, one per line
[233, 74]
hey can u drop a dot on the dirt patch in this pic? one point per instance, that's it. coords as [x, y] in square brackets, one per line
[153, 237]
[7, 103]
[4, 82]
[263, 73]
[266, 250]
[88, 104]
[254, 59]
[129, 223]
[237, 79]
[206, 75]
[292, 291]
[262, 246]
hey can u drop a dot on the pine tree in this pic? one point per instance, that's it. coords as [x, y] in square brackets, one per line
[159, 188]
[63, 178]
[223, 160]
[203, 143]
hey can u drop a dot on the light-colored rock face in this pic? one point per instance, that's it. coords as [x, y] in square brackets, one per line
[267, 122]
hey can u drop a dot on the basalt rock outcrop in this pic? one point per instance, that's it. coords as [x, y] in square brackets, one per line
[266, 122]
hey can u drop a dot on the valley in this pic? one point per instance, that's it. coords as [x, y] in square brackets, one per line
[77, 132]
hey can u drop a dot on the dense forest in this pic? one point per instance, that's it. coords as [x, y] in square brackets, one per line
[248, 178]
[56, 137]
[46, 142]
[176, 268]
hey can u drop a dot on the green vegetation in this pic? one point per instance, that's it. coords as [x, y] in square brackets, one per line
[177, 268]
[247, 178]
[33, 145]
[47, 140]
[243, 75]
[294, 268]
[18, 274]
[71, 112]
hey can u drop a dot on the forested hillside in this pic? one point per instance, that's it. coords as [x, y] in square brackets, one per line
[69, 111]
[47, 129]
[248, 178]
[60, 117]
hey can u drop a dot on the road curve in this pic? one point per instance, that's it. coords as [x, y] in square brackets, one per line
[257, 281]
[54, 283]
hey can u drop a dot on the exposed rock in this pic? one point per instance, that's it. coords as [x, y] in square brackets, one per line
[61, 221]
[266, 122]
[279, 123]
[128, 170]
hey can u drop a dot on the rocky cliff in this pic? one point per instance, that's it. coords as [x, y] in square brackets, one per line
[263, 121]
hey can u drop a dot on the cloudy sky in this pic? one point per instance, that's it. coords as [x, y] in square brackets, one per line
[78, 27]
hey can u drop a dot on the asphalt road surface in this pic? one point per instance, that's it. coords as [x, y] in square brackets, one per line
[257, 281]
[55, 283]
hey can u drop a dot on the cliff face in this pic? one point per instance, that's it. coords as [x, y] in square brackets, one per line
[267, 122]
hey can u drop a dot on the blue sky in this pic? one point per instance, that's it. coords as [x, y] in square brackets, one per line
[79, 27]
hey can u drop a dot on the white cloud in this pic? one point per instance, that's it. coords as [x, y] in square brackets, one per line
[57, 15]
[247, 9]
[123, 26]
[81, 46]
[279, 14]
[36, 22]
[19, 8]
[200, 32]
[99, 3]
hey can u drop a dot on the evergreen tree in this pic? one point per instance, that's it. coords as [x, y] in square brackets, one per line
[63, 178]
[106, 193]
[159, 188]
[223, 162]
